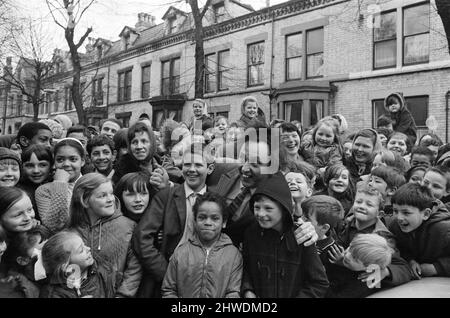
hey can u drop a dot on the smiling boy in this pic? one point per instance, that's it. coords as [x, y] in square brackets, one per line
[102, 154]
[422, 231]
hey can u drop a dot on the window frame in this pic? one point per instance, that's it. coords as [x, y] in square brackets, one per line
[97, 90]
[383, 41]
[256, 64]
[211, 73]
[124, 90]
[381, 100]
[307, 55]
[417, 34]
[143, 83]
[287, 79]
[217, 16]
[171, 76]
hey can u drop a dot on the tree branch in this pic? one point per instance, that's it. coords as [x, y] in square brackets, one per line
[86, 34]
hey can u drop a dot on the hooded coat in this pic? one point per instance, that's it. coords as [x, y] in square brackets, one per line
[275, 266]
[430, 242]
[246, 122]
[110, 242]
[195, 272]
[403, 120]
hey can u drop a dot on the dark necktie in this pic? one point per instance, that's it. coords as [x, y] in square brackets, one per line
[237, 202]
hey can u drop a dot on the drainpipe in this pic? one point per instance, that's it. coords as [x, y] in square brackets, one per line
[107, 89]
[271, 64]
[447, 97]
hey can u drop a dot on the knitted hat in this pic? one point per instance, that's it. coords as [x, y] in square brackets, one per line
[6, 153]
[65, 121]
[56, 128]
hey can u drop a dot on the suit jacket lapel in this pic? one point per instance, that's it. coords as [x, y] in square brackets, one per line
[227, 181]
[179, 198]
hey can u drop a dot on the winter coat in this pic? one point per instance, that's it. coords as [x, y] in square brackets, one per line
[398, 268]
[110, 243]
[246, 122]
[127, 164]
[357, 170]
[430, 242]
[195, 272]
[403, 120]
[97, 284]
[206, 123]
[275, 266]
[321, 157]
[166, 215]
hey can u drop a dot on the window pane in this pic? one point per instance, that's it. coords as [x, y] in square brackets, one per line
[314, 41]
[416, 19]
[388, 26]
[293, 111]
[378, 110]
[210, 82]
[416, 49]
[294, 68]
[256, 75]
[224, 60]
[176, 85]
[146, 74]
[256, 53]
[165, 86]
[315, 63]
[128, 78]
[385, 54]
[145, 91]
[294, 45]
[418, 106]
[166, 69]
[176, 67]
[316, 111]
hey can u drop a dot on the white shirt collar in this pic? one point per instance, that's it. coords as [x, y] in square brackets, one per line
[189, 191]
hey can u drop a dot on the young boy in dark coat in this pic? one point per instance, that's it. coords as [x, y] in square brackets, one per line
[422, 230]
[274, 265]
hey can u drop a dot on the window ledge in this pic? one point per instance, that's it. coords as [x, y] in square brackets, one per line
[402, 69]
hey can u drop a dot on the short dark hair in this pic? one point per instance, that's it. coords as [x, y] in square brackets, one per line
[384, 120]
[391, 176]
[120, 139]
[409, 173]
[71, 143]
[42, 153]
[420, 150]
[210, 197]
[414, 195]
[100, 140]
[384, 131]
[79, 129]
[331, 212]
[436, 140]
[393, 99]
[21, 243]
[289, 127]
[443, 171]
[430, 142]
[29, 130]
[113, 120]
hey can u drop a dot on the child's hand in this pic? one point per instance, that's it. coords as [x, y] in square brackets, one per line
[305, 233]
[159, 178]
[336, 254]
[373, 276]
[249, 294]
[61, 175]
[428, 270]
[415, 269]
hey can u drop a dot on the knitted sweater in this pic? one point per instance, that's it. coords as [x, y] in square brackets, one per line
[53, 200]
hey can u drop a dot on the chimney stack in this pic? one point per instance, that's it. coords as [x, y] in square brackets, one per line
[145, 21]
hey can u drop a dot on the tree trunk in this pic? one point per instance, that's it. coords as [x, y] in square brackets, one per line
[76, 64]
[443, 9]
[199, 62]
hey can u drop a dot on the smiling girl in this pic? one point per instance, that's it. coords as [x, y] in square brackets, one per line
[325, 147]
[53, 199]
[339, 185]
[36, 170]
[95, 215]
[71, 269]
[251, 113]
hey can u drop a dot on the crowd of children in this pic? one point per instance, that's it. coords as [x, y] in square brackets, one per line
[214, 209]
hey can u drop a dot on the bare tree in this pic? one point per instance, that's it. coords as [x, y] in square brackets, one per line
[198, 15]
[9, 25]
[67, 14]
[31, 47]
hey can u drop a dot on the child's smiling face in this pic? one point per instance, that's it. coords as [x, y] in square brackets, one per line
[408, 217]
[298, 185]
[269, 214]
[366, 207]
[398, 145]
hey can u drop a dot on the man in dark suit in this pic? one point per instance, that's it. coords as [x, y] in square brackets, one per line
[170, 213]
[237, 185]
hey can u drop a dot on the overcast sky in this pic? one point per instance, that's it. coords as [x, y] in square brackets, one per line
[108, 17]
